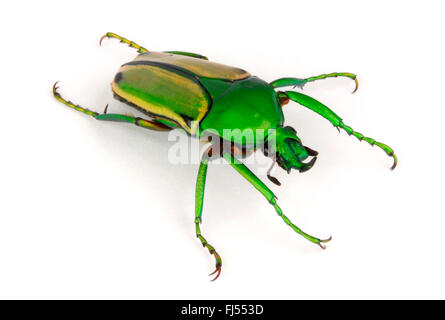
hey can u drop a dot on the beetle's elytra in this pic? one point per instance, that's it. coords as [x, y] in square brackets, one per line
[183, 90]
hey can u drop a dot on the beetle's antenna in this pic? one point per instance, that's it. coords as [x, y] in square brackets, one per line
[270, 177]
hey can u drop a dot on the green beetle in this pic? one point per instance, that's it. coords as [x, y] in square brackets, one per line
[210, 101]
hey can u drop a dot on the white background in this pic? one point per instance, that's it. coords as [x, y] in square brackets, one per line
[93, 209]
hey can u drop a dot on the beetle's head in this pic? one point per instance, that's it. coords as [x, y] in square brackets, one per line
[284, 146]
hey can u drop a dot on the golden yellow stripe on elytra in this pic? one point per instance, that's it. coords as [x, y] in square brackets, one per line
[200, 67]
[152, 108]
[200, 103]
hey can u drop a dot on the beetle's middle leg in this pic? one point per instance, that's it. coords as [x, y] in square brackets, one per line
[199, 197]
[270, 196]
[144, 123]
[123, 40]
[297, 82]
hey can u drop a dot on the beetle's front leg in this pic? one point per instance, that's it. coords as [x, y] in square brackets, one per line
[297, 82]
[199, 197]
[332, 117]
[268, 194]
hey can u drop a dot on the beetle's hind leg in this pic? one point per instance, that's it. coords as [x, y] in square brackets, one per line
[200, 186]
[140, 122]
[297, 82]
[72, 105]
[123, 40]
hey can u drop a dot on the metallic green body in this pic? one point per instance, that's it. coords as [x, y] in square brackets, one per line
[184, 89]
[178, 89]
[250, 104]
